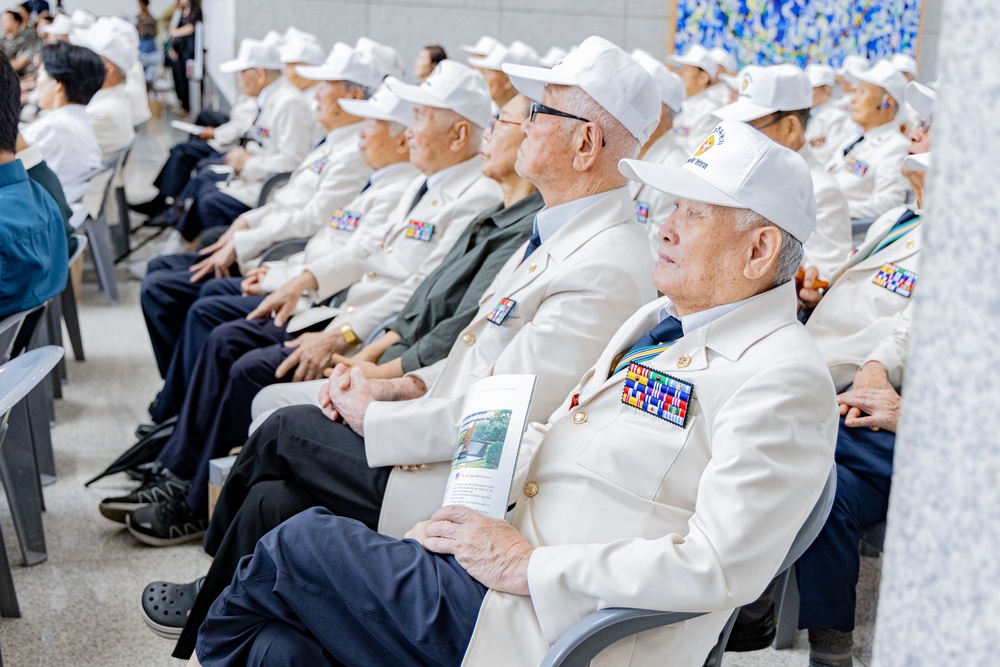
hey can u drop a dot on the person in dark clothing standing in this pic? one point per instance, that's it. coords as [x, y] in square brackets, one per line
[182, 48]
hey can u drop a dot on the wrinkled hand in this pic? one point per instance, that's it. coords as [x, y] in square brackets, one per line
[491, 550]
[253, 284]
[879, 408]
[810, 297]
[217, 263]
[872, 375]
[312, 354]
[207, 133]
[237, 158]
[369, 368]
[347, 397]
[281, 302]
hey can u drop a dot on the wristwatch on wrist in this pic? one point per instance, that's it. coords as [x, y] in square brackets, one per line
[350, 337]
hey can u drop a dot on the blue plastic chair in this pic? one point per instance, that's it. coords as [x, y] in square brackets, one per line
[591, 635]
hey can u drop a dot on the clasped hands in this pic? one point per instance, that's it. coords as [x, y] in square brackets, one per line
[872, 401]
[348, 393]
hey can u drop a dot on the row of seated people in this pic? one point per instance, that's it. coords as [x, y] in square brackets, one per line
[508, 243]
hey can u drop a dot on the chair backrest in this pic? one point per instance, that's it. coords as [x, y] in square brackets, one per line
[20, 375]
[271, 185]
[813, 523]
[9, 328]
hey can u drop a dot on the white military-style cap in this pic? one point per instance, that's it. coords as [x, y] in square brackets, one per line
[273, 38]
[453, 86]
[696, 56]
[884, 75]
[921, 97]
[668, 85]
[125, 30]
[82, 19]
[61, 25]
[738, 166]
[820, 75]
[253, 54]
[765, 90]
[724, 59]
[553, 56]
[852, 65]
[103, 39]
[612, 77]
[482, 47]
[388, 58]
[518, 53]
[733, 80]
[382, 105]
[345, 64]
[298, 46]
[918, 161]
[904, 63]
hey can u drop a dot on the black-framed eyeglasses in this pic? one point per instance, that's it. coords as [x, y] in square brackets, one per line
[497, 119]
[539, 108]
[925, 124]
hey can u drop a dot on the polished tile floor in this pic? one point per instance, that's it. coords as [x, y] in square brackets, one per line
[81, 607]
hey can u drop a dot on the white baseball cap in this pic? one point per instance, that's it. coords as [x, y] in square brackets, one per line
[388, 58]
[738, 166]
[884, 75]
[852, 65]
[732, 80]
[482, 47]
[696, 56]
[345, 64]
[103, 39]
[765, 90]
[904, 63]
[125, 30]
[273, 38]
[301, 47]
[612, 77]
[253, 54]
[820, 75]
[61, 25]
[518, 53]
[382, 105]
[454, 86]
[918, 161]
[553, 56]
[921, 97]
[668, 85]
[724, 59]
[82, 19]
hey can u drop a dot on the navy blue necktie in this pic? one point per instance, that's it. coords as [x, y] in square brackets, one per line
[652, 344]
[367, 185]
[534, 241]
[854, 143]
[416, 199]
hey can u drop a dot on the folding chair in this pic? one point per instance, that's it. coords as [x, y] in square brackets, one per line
[591, 635]
[271, 185]
[90, 217]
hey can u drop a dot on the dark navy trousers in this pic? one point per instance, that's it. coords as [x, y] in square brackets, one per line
[211, 206]
[184, 157]
[828, 571]
[325, 590]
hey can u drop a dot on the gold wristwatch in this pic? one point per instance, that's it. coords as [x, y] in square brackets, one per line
[350, 337]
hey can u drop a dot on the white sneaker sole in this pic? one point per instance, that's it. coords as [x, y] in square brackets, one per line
[163, 541]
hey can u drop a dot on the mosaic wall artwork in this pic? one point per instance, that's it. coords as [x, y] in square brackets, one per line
[800, 31]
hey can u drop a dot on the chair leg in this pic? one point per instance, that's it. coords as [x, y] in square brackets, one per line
[787, 611]
[72, 319]
[103, 253]
[122, 231]
[20, 480]
[714, 658]
[53, 322]
[41, 432]
[8, 596]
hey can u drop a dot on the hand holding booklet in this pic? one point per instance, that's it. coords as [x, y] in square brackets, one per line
[190, 128]
[493, 421]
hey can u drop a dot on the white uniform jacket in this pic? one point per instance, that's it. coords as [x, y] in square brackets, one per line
[283, 134]
[830, 242]
[629, 510]
[857, 313]
[135, 84]
[110, 114]
[241, 118]
[68, 144]
[893, 350]
[368, 210]
[570, 297]
[696, 121]
[870, 175]
[829, 128]
[327, 180]
[384, 272]
[652, 206]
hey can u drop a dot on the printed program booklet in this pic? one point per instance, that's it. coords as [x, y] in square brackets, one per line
[494, 418]
[190, 128]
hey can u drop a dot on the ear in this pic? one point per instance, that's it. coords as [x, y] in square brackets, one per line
[762, 256]
[586, 144]
[460, 136]
[356, 94]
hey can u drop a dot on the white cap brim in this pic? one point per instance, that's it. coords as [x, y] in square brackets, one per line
[365, 109]
[484, 63]
[531, 80]
[676, 181]
[918, 161]
[743, 111]
[731, 80]
[921, 98]
[415, 94]
[319, 73]
[233, 66]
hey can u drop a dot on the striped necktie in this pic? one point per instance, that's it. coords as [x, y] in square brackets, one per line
[659, 339]
[906, 224]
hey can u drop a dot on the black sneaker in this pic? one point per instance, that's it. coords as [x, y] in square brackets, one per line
[166, 524]
[166, 606]
[158, 485]
[151, 208]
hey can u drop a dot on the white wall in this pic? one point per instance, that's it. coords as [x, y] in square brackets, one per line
[220, 41]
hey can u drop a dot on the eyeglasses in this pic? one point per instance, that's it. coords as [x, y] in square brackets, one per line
[925, 124]
[539, 108]
[497, 119]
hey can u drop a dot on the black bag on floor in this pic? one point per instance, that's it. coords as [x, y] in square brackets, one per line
[144, 451]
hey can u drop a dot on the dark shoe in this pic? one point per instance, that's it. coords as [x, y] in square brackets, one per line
[752, 636]
[158, 485]
[830, 648]
[166, 524]
[142, 430]
[166, 606]
[166, 218]
[151, 208]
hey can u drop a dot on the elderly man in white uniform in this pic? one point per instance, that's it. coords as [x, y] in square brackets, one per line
[868, 167]
[830, 125]
[110, 110]
[491, 67]
[698, 69]
[689, 507]
[775, 100]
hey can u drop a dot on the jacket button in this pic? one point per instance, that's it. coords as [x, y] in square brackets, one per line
[468, 339]
[388, 250]
[579, 417]
[371, 274]
[531, 489]
[910, 244]
[531, 269]
[683, 361]
[351, 309]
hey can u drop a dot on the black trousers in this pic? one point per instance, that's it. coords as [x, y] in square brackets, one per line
[297, 459]
[184, 157]
[211, 207]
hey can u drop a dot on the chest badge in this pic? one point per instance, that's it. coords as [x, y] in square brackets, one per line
[856, 167]
[262, 132]
[896, 279]
[318, 166]
[421, 231]
[345, 221]
[816, 142]
[657, 394]
[500, 311]
[641, 211]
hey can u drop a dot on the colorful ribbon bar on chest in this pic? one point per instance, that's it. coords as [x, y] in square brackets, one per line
[658, 394]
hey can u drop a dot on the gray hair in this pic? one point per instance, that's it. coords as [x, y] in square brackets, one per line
[790, 255]
[618, 141]
[448, 117]
[350, 87]
[396, 129]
